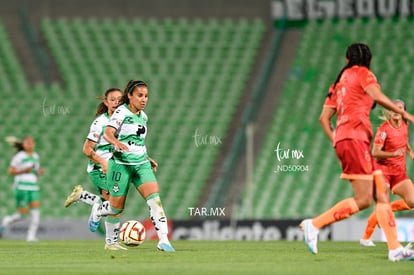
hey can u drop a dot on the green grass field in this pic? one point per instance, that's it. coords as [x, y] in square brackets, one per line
[197, 257]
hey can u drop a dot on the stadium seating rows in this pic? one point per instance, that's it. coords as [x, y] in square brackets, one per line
[196, 70]
[316, 186]
[204, 64]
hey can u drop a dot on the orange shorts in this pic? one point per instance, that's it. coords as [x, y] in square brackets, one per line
[394, 180]
[356, 159]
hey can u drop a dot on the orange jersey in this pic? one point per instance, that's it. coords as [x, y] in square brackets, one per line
[392, 139]
[353, 104]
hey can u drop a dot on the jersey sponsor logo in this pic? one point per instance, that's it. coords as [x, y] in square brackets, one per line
[141, 130]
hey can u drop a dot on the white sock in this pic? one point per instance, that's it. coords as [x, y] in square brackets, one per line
[89, 198]
[105, 209]
[112, 226]
[7, 220]
[158, 218]
[34, 224]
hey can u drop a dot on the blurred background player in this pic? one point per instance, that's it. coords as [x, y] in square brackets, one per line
[126, 131]
[98, 150]
[389, 150]
[352, 97]
[25, 167]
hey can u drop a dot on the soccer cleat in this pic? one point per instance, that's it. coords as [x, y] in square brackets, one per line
[401, 254]
[94, 219]
[367, 243]
[114, 246]
[74, 196]
[165, 247]
[310, 235]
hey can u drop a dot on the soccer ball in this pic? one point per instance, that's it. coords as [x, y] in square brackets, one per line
[132, 233]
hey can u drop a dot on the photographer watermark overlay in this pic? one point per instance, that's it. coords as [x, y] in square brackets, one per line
[200, 139]
[291, 168]
[283, 154]
[207, 212]
[53, 109]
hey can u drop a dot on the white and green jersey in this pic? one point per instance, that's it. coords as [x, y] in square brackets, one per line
[103, 148]
[21, 161]
[131, 129]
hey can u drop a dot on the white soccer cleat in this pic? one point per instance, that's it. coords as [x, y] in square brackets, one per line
[114, 246]
[310, 235]
[165, 247]
[368, 243]
[74, 196]
[401, 254]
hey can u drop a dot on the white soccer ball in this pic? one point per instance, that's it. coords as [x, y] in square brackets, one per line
[132, 233]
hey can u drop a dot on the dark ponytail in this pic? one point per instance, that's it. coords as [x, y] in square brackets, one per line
[357, 54]
[129, 89]
[102, 108]
[18, 146]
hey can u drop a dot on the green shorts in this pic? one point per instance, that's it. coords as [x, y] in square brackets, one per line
[98, 179]
[120, 175]
[25, 197]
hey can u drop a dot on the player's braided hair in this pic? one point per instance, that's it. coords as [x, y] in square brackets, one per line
[129, 89]
[102, 108]
[357, 54]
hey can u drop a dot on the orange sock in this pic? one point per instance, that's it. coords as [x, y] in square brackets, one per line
[339, 211]
[399, 205]
[370, 228]
[386, 221]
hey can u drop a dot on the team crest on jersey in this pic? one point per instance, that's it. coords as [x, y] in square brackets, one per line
[115, 188]
[383, 135]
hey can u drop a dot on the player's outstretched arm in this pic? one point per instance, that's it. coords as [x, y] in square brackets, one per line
[375, 93]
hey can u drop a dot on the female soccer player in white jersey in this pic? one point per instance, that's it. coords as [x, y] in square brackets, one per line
[98, 150]
[126, 131]
[25, 167]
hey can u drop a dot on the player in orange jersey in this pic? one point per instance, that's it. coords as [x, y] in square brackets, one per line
[389, 150]
[353, 95]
